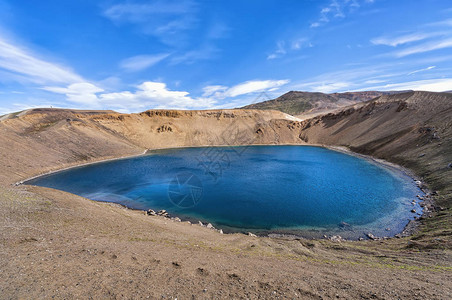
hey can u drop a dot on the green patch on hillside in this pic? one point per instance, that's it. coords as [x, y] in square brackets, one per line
[296, 103]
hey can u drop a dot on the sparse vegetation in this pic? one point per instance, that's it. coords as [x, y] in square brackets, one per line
[299, 103]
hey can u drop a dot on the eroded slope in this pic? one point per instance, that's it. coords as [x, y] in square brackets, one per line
[412, 129]
[54, 244]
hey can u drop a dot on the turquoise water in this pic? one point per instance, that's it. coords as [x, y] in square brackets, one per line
[302, 190]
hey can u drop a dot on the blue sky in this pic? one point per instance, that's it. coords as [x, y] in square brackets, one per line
[131, 56]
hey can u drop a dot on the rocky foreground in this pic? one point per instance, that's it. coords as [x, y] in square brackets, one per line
[55, 244]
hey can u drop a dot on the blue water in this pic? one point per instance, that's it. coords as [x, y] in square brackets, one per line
[302, 190]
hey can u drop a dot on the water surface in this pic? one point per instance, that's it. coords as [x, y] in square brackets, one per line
[302, 190]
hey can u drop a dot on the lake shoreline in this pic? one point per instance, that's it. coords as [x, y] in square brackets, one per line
[409, 228]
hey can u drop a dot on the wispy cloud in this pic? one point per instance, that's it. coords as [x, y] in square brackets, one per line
[252, 86]
[337, 9]
[421, 70]
[280, 50]
[395, 41]
[374, 81]
[163, 19]
[343, 80]
[210, 90]
[447, 22]
[330, 86]
[56, 79]
[173, 23]
[19, 63]
[425, 40]
[299, 43]
[140, 12]
[425, 47]
[218, 30]
[386, 76]
[283, 47]
[315, 24]
[205, 52]
[141, 62]
[326, 86]
[431, 85]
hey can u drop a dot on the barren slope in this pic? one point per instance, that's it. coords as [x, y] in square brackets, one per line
[54, 244]
[412, 129]
[40, 140]
[308, 104]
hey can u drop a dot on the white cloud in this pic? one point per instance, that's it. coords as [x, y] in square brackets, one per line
[110, 83]
[329, 87]
[300, 43]
[434, 59]
[339, 81]
[421, 70]
[424, 41]
[374, 81]
[325, 10]
[251, 86]
[20, 64]
[147, 95]
[280, 50]
[383, 77]
[82, 93]
[212, 89]
[315, 25]
[336, 9]
[141, 62]
[136, 13]
[294, 45]
[244, 88]
[431, 85]
[156, 95]
[404, 39]
[447, 22]
[425, 47]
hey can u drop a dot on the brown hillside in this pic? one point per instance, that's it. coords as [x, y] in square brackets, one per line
[412, 129]
[308, 104]
[57, 245]
[60, 137]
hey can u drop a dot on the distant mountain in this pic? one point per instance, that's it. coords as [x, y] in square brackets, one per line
[308, 104]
